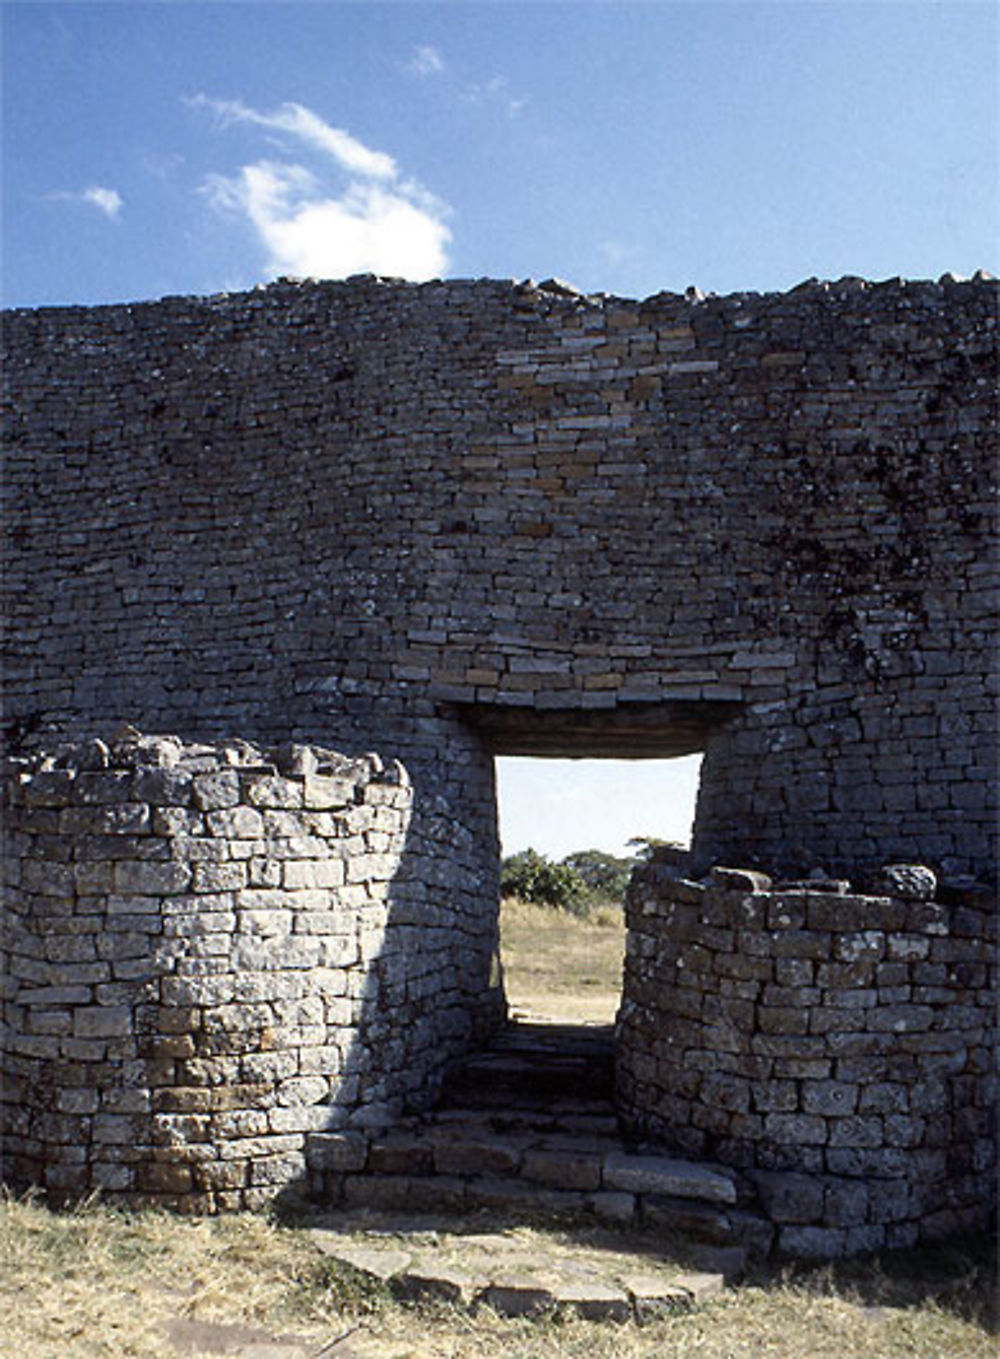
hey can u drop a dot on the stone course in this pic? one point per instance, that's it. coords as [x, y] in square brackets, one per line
[838, 1049]
[468, 517]
[210, 951]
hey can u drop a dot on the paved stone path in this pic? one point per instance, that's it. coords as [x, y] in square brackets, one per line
[517, 1272]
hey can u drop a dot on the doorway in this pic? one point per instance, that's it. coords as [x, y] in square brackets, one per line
[571, 830]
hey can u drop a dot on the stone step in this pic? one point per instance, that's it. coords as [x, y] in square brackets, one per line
[496, 1082]
[559, 1161]
[692, 1212]
[530, 1063]
[597, 1276]
[587, 1117]
[548, 1036]
[529, 1127]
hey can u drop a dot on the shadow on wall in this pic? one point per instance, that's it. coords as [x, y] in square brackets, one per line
[213, 951]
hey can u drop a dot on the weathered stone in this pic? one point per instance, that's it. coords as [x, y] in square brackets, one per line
[654, 1298]
[754, 1232]
[663, 1175]
[480, 1156]
[236, 823]
[563, 1170]
[517, 1297]
[440, 1284]
[812, 1243]
[845, 1203]
[382, 1264]
[850, 731]
[151, 879]
[907, 880]
[740, 879]
[401, 1156]
[612, 1206]
[215, 791]
[272, 792]
[829, 1097]
[796, 1129]
[439, 1193]
[686, 1216]
[163, 787]
[102, 1021]
[788, 1197]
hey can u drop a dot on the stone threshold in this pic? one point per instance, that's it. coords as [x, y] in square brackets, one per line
[516, 1272]
[528, 1128]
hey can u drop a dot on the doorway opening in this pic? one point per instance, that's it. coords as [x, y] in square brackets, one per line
[571, 831]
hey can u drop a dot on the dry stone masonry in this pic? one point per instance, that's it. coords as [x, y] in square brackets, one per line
[462, 516]
[459, 519]
[210, 951]
[849, 1039]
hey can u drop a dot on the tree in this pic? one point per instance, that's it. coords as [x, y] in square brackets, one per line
[532, 877]
[606, 875]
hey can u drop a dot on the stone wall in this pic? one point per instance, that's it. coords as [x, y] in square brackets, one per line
[837, 1048]
[466, 517]
[210, 951]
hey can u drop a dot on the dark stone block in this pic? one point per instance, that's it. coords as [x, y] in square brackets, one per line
[790, 1197]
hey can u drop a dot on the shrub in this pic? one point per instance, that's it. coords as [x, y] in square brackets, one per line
[532, 877]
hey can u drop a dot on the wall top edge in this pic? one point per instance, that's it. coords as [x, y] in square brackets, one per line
[783, 903]
[128, 749]
[523, 292]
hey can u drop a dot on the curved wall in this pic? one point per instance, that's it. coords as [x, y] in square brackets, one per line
[209, 951]
[374, 514]
[838, 1048]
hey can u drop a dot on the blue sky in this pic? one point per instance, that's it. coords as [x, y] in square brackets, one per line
[557, 806]
[629, 147]
[155, 149]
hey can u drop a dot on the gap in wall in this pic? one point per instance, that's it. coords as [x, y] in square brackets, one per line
[554, 965]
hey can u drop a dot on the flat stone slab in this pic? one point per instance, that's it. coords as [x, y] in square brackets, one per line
[517, 1272]
[382, 1265]
[663, 1175]
[650, 1300]
[192, 1336]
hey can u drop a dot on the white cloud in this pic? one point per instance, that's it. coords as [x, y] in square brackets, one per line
[426, 61]
[300, 122]
[108, 201]
[312, 226]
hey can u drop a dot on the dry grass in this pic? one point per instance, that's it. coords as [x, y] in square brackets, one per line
[95, 1282]
[99, 1283]
[558, 966]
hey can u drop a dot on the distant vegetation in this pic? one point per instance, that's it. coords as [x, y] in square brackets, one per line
[582, 882]
[579, 883]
